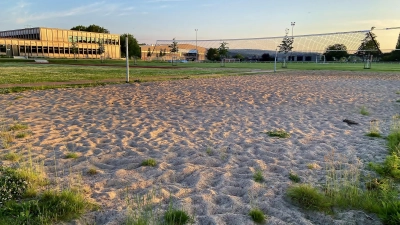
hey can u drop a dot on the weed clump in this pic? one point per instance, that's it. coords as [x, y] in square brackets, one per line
[278, 133]
[258, 177]
[308, 197]
[71, 155]
[149, 162]
[257, 216]
[364, 111]
[176, 217]
[294, 177]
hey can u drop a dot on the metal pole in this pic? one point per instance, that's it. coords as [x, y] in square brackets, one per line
[196, 45]
[127, 59]
[276, 55]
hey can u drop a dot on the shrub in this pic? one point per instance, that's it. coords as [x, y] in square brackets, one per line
[12, 185]
[308, 197]
[257, 216]
[149, 162]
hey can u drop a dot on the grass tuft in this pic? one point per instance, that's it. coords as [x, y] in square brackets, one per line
[71, 155]
[12, 156]
[257, 216]
[22, 135]
[258, 176]
[176, 217]
[373, 134]
[149, 162]
[308, 197]
[294, 177]
[278, 133]
[364, 111]
[17, 127]
[92, 171]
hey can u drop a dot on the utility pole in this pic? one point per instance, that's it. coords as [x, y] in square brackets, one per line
[291, 55]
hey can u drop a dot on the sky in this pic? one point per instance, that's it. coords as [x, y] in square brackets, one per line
[151, 20]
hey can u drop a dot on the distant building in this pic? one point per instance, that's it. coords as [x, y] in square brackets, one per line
[163, 52]
[58, 43]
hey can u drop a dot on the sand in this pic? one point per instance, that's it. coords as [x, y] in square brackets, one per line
[207, 137]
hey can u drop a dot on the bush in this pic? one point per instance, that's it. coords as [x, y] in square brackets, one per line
[12, 185]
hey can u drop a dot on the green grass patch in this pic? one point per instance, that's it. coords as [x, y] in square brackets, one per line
[258, 176]
[294, 177]
[364, 111]
[149, 162]
[278, 133]
[373, 134]
[49, 208]
[71, 155]
[257, 216]
[17, 127]
[308, 197]
[394, 142]
[92, 171]
[12, 156]
[176, 217]
[398, 100]
[22, 135]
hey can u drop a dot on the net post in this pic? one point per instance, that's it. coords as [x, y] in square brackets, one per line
[127, 59]
[276, 55]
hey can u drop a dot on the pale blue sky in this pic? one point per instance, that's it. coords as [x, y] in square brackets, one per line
[149, 20]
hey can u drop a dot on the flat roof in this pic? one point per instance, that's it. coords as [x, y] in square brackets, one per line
[57, 29]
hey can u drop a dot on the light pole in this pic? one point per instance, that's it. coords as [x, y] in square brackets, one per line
[292, 24]
[196, 45]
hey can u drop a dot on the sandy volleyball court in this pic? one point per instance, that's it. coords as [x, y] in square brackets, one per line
[206, 136]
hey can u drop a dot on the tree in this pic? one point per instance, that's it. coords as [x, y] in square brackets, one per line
[238, 56]
[223, 49]
[212, 54]
[74, 48]
[102, 50]
[133, 46]
[91, 28]
[79, 27]
[286, 45]
[148, 52]
[266, 57]
[369, 46]
[174, 46]
[336, 52]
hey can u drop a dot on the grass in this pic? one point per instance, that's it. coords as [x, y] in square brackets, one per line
[308, 197]
[17, 127]
[364, 111]
[149, 162]
[294, 177]
[257, 216]
[7, 138]
[72, 155]
[12, 156]
[22, 135]
[374, 129]
[278, 133]
[113, 71]
[176, 217]
[209, 151]
[398, 92]
[312, 166]
[398, 100]
[258, 176]
[92, 171]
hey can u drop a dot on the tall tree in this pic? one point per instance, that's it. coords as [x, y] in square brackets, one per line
[223, 49]
[212, 54]
[74, 48]
[102, 50]
[133, 46]
[369, 45]
[266, 57]
[174, 46]
[336, 52]
[148, 52]
[286, 45]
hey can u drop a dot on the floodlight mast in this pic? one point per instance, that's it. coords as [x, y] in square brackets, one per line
[127, 58]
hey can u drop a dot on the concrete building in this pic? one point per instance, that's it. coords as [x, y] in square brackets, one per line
[58, 43]
[163, 52]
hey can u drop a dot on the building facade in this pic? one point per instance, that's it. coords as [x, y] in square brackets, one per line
[58, 43]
